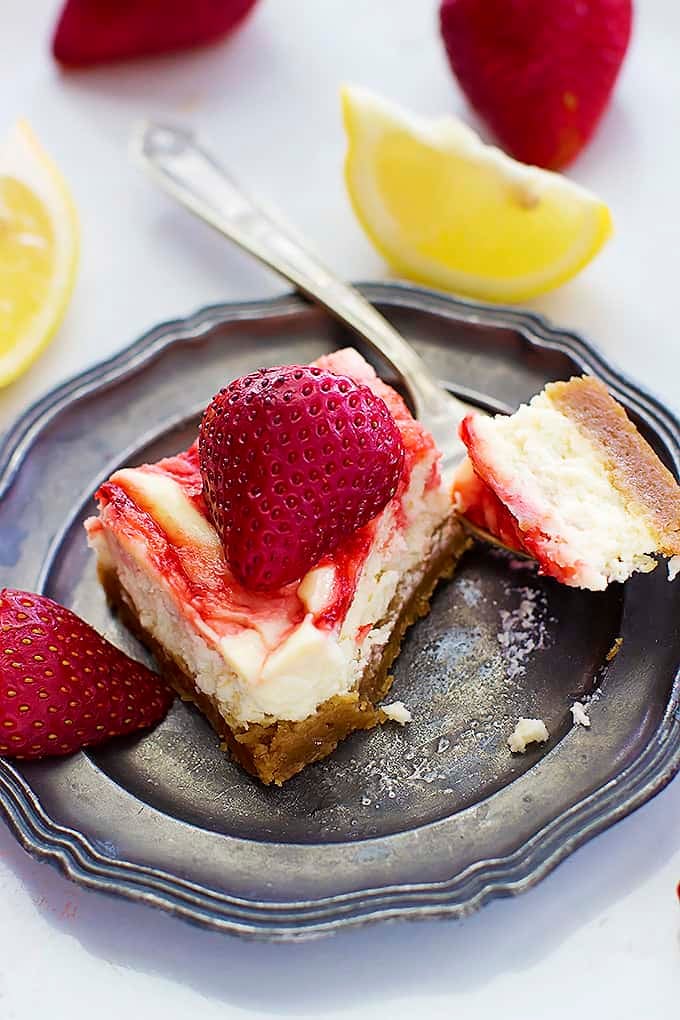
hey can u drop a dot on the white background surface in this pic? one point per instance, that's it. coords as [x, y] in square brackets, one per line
[601, 936]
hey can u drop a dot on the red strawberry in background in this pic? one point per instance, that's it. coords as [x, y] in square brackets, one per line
[540, 72]
[99, 31]
[294, 460]
[62, 685]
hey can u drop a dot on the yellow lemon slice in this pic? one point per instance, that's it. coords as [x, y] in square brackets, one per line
[449, 211]
[38, 250]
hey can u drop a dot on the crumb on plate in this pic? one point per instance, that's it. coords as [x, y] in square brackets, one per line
[397, 712]
[527, 731]
[615, 649]
[579, 714]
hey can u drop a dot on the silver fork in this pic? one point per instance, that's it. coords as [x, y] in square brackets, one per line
[191, 175]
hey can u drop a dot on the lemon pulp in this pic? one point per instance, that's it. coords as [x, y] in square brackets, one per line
[38, 250]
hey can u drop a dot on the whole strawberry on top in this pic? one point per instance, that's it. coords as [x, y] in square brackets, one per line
[540, 72]
[294, 460]
[98, 31]
[62, 685]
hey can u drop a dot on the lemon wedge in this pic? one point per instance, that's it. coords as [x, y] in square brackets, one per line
[38, 250]
[447, 210]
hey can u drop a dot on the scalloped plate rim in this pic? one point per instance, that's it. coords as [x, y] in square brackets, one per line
[82, 861]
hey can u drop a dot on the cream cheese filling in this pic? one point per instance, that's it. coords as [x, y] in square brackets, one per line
[549, 469]
[253, 682]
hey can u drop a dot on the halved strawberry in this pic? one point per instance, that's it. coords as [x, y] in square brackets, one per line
[294, 460]
[62, 685]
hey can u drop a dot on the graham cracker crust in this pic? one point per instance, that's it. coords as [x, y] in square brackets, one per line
[632, 465]
[278, 750]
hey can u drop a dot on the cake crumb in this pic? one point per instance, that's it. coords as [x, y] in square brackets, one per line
[579, 714]
[673, 567]
[615, 649]
[397, 712]
[527, 731]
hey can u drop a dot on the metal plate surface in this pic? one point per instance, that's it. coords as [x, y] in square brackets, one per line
[428, 820]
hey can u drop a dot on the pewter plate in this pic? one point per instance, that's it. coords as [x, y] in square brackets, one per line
[429, 821]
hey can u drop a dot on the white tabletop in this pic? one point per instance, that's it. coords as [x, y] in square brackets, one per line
[601, 935]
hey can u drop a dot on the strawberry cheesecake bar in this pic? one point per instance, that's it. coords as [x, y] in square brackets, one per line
[274, 567]
[570, 480]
